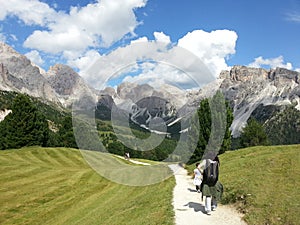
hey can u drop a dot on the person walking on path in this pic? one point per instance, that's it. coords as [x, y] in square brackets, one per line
[211, 188]
[197, 178]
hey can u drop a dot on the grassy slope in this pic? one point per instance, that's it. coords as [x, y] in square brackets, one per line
[264, 183]
[56, 186]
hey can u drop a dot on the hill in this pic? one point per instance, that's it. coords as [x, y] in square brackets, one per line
[56, 186]
[263, 182]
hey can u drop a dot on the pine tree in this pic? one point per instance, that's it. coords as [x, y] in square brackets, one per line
[215, 118]
[226, 145]
[25, 126]
[253, 134]
[66, 134]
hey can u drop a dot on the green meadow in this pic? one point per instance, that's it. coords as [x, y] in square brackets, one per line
[56, 186]
[263, 183]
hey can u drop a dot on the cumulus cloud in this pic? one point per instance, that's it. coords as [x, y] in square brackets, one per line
[98, 24]
[271, 62]
[161, 37]
[151, 61]
[31, 12]
[35, 57]
[83, 62]
[90, 26]
[213, 48]
[139, 40]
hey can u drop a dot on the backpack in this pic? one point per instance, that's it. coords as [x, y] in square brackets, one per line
[211, 173]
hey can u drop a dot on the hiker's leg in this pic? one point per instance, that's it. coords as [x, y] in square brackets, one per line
[208, 203]
[214, 203]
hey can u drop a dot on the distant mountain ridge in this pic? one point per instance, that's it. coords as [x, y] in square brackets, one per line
[252, 92]
[61, 84]
[251, 89]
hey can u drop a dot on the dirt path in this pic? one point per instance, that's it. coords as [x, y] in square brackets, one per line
[134, 161]
[189, 209]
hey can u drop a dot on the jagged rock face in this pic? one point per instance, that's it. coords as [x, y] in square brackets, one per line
[142, 103]
[60, 85]
[145, 103]
[62, 79]
[68, 84]
[136, 92]
[248, 88]
[18, 74]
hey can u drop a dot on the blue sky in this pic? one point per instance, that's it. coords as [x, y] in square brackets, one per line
[221, 33]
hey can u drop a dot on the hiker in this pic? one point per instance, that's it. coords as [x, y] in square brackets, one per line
[127, 156]
[197, 178]
[211, 188]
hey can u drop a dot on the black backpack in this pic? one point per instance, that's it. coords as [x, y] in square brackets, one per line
[211, 173]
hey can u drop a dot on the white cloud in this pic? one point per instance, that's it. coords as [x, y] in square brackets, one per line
[294, 16]
[98, 24]
[139, 40]
[158, 74]
[161, 37]
[271, 62]
[158, 64]
[84, 61]
[211, 47]
[30, 12]
[69, 40]
[35, 57]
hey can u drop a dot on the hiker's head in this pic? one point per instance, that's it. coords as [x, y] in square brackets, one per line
[197, 164]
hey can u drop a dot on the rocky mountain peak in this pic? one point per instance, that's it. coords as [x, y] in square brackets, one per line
[61, 84]
[284, 75]
[68, 84]
[249, 88]
[244, 74]
[60, 69]
[7, 51]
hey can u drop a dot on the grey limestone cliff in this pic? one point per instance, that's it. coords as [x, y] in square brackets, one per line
[249, 88]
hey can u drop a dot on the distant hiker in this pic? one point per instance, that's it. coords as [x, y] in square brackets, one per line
[211, 188]
[127, 156]
[197, 178]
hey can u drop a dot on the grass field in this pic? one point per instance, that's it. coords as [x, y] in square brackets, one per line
[56, 186]
[264, 183]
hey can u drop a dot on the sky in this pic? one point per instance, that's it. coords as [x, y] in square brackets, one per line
[153, 41]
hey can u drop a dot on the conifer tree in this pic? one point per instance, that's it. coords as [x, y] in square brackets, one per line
[253, 134]
[25, 126]
[214, 115]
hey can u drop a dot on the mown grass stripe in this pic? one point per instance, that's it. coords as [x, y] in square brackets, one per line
[13, 173]
[56, 158]
[70, 192]
[59, 156]
[16, 158]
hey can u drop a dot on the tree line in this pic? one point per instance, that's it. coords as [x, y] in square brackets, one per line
[28, 126]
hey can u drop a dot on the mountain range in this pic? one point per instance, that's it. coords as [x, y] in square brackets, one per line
[272, 96]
